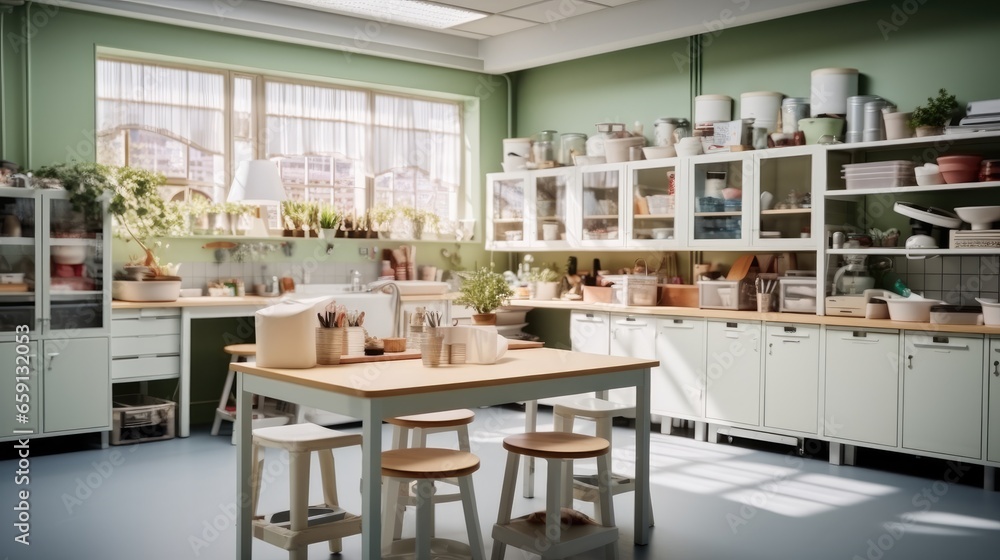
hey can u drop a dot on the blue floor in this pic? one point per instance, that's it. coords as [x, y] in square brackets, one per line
[176, 499]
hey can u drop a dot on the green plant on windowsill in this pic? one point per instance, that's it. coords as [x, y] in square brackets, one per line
[329, 217]
[936, 114]
[421, 221]
[484, 291]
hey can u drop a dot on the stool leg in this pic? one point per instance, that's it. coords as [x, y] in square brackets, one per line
[256, 470]
[506, 501]
[553, 498]
[328, 474]
[463, 438]
[563, 423]
[224, 399]
[530, 425]
[400, 440]
[392, 510]
[425, 523]
[419, 439]
[607, 506]
[471, 517]
[298, 473]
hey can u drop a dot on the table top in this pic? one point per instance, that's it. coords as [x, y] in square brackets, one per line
[407, 377]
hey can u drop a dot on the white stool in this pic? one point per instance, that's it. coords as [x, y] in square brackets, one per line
[559, 449]
[424, 465]
[300, 440]
[421, 425]
[262, 416]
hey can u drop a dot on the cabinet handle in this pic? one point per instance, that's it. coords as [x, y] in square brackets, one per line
[770, 348]
[776, 335]
[909, 361]
[678, 327]
[791, 341]
[996, 368]
[861, 340]
[51, 356]
[939, 345]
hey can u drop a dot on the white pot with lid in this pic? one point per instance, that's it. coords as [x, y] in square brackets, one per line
[830, 89]
[712, 108]
[762, 106]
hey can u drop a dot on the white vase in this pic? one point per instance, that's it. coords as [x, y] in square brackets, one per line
[546, 290]
[896, 126]
[329, 234]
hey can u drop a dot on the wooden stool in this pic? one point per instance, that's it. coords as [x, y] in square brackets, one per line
[565, 411]
[424, 465]
[421, 425]
[300, 440]
[262, 418]
[559, 449]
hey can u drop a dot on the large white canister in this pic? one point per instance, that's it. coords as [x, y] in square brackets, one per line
[286, 333]
[761, 106]
[712, 108]
[830, 89]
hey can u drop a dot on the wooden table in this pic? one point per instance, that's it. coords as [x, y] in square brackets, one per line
[374, 392]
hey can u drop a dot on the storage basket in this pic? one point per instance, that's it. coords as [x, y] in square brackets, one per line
[141, 418]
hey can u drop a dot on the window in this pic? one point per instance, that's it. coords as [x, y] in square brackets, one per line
[353, 148]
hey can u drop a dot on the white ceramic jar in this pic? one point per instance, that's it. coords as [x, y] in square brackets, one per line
[712, 108]
[763, 107]
[830, 89]
[516, 151]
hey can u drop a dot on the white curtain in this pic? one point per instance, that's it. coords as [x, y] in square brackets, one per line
[313, 120]
[418, 133]
[183, 104]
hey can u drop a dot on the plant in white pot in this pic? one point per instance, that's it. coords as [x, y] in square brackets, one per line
[546, 281]
[484, 291]
[329, 221]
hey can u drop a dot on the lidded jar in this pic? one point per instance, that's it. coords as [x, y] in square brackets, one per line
[668, 130]
[571, 144]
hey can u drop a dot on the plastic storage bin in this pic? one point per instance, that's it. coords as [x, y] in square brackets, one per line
[727, 294]
[880, 175]
[633, 289]
[797, 295]
[140, 418]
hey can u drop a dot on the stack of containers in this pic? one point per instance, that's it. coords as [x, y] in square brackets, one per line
[880, 174]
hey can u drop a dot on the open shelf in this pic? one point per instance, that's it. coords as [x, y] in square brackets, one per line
[508, 220]
[716, 214]
[601, 217]
[913, 252]
[908, 142]
[914, 189]
[654, 216]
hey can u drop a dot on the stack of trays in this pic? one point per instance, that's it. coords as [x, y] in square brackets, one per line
[880, 174]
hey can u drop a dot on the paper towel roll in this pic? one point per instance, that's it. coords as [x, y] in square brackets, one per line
[286, 333]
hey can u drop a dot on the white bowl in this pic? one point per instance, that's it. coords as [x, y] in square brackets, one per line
[659, 152]
[69, 254]
[148, 290]
[914, 310]
[981, 217]
[663, 233]
[929, 179]
[991, 311]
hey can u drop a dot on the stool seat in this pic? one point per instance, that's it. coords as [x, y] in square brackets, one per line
[242, 350]
[441, 419]
[304, 437]
[428, 463]
[590, 407]
[556, 445]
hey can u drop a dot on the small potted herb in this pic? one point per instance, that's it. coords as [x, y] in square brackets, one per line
[930, 120]
[484, 291]
[329, 221]
[546, 282]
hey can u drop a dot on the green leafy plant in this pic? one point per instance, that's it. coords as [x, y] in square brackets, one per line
[548, 273]
[295, 214]
[88, 184]
[329, 217]
[141, 211]
[421, 221]
[483, 290]
[938, 111]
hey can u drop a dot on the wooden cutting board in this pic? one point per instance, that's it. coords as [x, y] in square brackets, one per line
[13, 288]
[413, 354]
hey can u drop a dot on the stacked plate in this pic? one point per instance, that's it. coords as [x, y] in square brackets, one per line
[880, 174]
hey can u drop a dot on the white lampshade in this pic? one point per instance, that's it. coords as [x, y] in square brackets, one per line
[257, 182]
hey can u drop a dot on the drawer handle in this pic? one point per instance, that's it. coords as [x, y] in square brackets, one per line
[859, 340]
[670, 326]
[939, 345]
[786, 336]
[631, 324]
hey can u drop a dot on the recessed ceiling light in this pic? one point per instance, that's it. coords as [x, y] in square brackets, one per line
[406, 12]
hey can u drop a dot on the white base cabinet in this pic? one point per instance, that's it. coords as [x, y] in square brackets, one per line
[943, 394]
[631, 336]
[590, 332]
[993, 426]
[791, 377]
[862, 386]
[77, 387]
[678, 383]
[733, 386]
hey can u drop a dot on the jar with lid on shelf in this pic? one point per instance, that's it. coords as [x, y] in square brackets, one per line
[571, 144]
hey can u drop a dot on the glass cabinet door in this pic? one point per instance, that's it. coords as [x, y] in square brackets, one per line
[74, 265]
[652, 216]
[508, 220]
[550, 207]
[784, 214]
[18, 260]
[601, 188]
[718, 184]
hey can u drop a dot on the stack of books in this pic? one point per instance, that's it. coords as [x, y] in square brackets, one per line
[974, 239]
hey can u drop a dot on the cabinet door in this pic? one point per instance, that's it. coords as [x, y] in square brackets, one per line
[653, 218]
[733, 372]
[20, 399]
[784, 215]
[601, 205]
[590, 332]
[943, 394]
[20, 261]
[631, 336]
[993, 428]
[549, 208]
[862, 386]
[720, 212]
[791, 377]
[678, 383]
[507, 224]
[77, 384]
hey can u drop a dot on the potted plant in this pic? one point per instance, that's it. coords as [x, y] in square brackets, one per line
[484, 291]
[295, 216]
[546, 282]
[380, 219]
[88, 184]
[235, 211]
[931, 119]
[143, 214]
[329, 220]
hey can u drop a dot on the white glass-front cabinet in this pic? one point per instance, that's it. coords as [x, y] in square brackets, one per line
[784, 199]
[550, 208]
[601, 196]
[655, 217]
[506, 210]
[721, 199]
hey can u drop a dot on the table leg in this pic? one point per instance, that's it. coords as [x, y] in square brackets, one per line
[184, 382]
[530, 425]
[643, 507]
[244, 529]
[371, 484]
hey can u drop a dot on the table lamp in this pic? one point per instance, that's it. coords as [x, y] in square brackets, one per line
[257, 182]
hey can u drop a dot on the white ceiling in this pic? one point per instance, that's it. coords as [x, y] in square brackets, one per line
[517, 34]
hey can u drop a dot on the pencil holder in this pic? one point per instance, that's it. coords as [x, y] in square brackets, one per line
[329, 345]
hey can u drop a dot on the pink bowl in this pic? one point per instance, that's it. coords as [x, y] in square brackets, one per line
[731, 193]
[959, 169]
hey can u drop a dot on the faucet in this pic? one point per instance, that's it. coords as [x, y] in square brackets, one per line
[356, 285]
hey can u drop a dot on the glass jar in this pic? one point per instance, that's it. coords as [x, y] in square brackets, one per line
[571, 144]
[667, 131]
[543, 151]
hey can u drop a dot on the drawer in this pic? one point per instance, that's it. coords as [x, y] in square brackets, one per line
[145, 326]
[125, 346]
[123, 369]
[145, 312]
